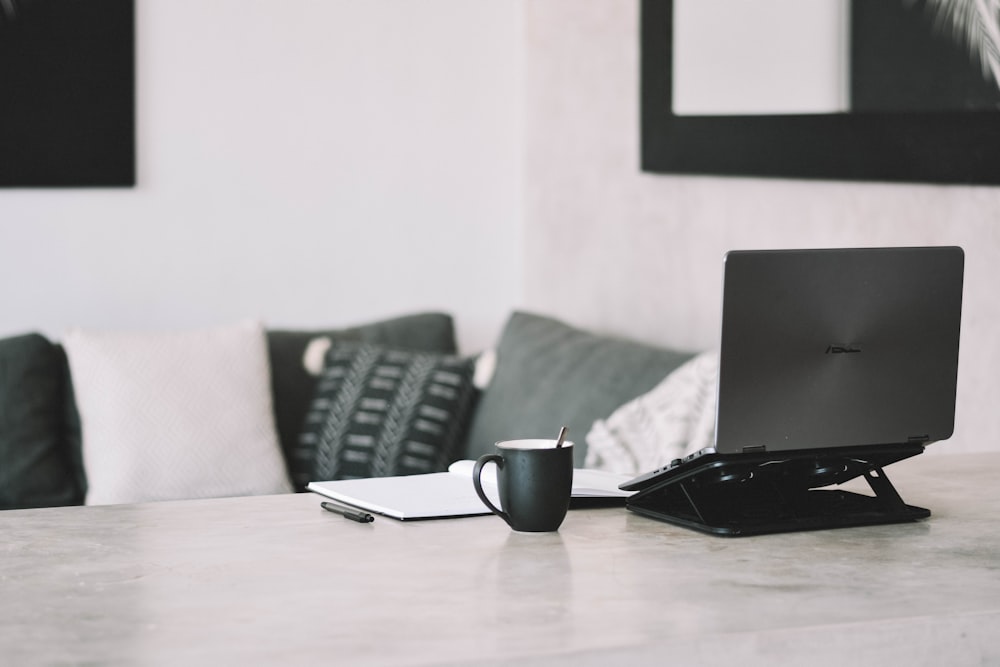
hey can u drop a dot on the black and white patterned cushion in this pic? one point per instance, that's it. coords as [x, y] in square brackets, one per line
[378, 411]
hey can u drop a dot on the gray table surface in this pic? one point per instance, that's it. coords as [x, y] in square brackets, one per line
[276, 580]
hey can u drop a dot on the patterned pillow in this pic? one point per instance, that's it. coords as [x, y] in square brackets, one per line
[379, 411]
[293, 386]
[673, 419]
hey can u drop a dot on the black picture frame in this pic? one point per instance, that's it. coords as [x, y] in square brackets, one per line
[67, 93]
[940, 147]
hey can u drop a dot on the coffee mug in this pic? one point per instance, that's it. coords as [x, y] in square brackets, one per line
[535, 481]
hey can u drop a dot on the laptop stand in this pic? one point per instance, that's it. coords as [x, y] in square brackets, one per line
[753, 494]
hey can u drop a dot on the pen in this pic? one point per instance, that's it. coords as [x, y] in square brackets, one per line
[348, 513]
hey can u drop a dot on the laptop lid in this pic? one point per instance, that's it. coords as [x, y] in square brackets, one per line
[838, 348]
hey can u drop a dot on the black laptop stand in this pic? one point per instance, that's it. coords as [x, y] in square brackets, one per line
[753, 494]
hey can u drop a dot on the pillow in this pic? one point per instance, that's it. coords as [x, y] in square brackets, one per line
[381, 411]
[172, 415]
[71, 429]
[550, 374]
[674, 419]
[293, 387]
[35, 465]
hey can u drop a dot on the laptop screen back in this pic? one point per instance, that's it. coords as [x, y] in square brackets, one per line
[838, 348]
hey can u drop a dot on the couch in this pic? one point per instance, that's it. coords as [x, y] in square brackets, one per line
[109, 417]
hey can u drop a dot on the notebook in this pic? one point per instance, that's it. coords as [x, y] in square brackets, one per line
[833, 363]
[451, 494]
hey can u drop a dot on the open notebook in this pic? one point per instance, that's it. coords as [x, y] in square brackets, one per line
[451, 494]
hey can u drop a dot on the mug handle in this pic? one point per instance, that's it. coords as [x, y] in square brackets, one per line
[477, 472]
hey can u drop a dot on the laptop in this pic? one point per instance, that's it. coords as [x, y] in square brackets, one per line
[833, 364]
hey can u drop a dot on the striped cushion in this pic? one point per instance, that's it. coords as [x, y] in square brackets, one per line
[379, 411]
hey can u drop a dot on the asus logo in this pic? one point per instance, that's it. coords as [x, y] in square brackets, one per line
[842, 349]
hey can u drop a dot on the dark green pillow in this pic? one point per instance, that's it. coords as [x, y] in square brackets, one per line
[380, 411]
[35, 461]
[293, 386]
[550, 374]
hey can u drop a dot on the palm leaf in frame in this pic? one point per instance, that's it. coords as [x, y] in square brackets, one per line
[8, 10]
[974, 24]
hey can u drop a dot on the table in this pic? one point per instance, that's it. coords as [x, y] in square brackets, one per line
[276, 580]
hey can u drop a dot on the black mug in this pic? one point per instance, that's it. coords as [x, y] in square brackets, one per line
[535, 482]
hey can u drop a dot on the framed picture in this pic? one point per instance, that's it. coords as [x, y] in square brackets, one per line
[67, 93]
[917, 104]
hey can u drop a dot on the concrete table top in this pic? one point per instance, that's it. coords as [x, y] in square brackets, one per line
[276, 580]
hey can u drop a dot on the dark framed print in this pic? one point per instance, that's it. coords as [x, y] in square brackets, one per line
[67, 93]
[920, 130]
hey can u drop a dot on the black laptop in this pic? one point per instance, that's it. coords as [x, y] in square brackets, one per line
[833, 364]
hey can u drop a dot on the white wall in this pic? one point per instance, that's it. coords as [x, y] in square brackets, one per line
[327, 162]
[307, 162]
[640, 254]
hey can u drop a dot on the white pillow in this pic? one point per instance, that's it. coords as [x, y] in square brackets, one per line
[675, 418]
[174, 415]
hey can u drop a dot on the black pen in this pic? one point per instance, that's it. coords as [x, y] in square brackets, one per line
[348, 513]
